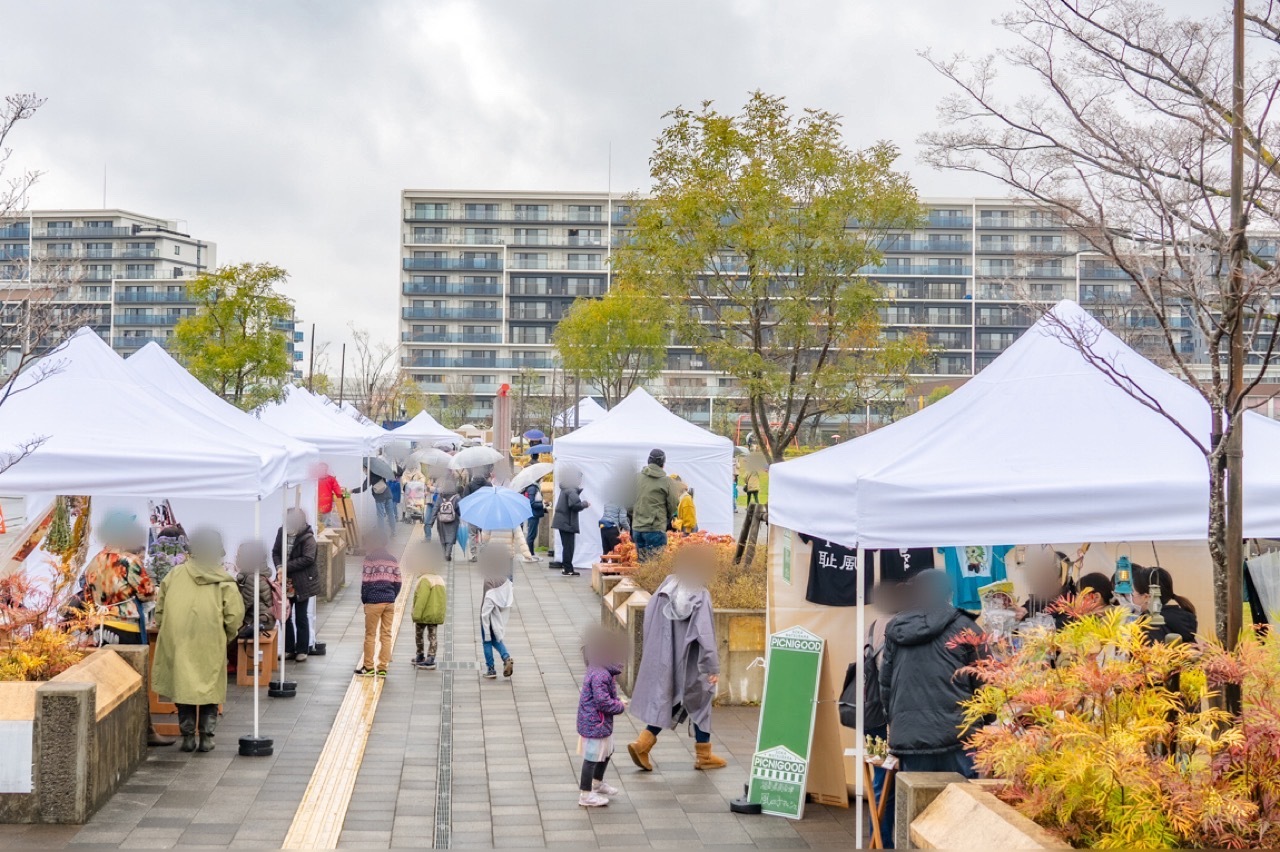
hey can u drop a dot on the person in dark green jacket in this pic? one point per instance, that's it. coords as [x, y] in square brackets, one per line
[657, 498]
[430, 599]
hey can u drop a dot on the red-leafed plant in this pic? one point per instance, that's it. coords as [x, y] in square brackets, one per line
[1108, 739]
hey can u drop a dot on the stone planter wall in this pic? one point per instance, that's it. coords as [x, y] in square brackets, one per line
[66, 745]
[739, 632]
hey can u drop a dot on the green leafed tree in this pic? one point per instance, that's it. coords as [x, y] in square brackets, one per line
[760, 227]
[231, 342]
[615, 343]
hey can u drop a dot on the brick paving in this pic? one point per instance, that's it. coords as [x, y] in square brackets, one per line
[452, 761]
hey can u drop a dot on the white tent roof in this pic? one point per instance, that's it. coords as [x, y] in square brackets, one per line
[105, 434]
[618, 445]
[423, 427]
[1039, 447]
[152, 364]
[306, 418]
[589, 411]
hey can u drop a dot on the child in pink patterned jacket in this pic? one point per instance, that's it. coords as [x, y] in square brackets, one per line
[597, 705]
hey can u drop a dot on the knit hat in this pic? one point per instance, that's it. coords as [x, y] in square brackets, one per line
[657, 457]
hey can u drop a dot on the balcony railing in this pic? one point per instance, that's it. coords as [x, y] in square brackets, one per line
[128, 343]
[138, 275]
[916, 269]
[123, 296]
[477, 363]
[147, 319]
[936, 221]
[892, 246]
[138, 252]
[449, 337]
[412, 289]
[451, 313]
[412, 264]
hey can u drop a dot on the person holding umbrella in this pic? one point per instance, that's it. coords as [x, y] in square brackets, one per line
[500, 511]
[378, 478]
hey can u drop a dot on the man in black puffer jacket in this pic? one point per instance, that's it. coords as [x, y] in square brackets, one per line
[919, 682]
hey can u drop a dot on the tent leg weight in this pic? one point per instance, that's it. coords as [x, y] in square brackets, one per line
[251, 746]
[741, 805]
[282, 689]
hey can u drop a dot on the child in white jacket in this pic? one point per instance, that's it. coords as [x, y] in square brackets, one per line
[495, 610]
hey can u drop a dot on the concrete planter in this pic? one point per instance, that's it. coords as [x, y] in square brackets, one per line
[739, 632]
[944, 813]
[331, 563]
[66, 745]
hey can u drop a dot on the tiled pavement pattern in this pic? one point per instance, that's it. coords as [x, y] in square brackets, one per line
[512, 777]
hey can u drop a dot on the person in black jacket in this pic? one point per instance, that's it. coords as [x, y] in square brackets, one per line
[1179, 613]
[384, 499]
[305, 579]
[919, 679]
[568, 507]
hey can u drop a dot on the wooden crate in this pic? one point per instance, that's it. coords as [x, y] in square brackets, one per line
[244, 659]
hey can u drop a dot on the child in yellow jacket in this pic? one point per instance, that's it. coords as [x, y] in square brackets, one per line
[687, 513]
[430, 601]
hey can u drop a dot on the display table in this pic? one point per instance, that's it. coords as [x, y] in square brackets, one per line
[877, 803]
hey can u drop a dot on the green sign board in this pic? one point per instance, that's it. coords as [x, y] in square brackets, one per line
[780, 765]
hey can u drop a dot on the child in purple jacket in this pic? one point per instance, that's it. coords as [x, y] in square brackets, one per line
[597, 705]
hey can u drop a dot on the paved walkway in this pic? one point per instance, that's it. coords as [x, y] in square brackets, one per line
[452, 761]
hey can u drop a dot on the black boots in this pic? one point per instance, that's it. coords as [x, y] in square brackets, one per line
[208, 721]
[202, 718]
[187, 725]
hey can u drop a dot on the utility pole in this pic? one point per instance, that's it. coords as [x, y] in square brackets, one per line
[1235, 307]
[342, 374]
[577, 396]
[311, 360]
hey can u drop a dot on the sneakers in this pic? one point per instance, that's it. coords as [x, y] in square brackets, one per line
[380, 673]
[508, 666]
[605, 789]
[365, 671]
[418, 659]
[569, 572]
[530, 559]
[429, 664]
[592, 800]
[300, 658]
[490, 674]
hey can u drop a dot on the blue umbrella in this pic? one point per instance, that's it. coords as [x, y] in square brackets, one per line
[539, 449]
[535, 435]
[492, 508]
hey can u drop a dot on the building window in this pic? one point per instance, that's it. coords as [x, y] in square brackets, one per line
[531, 213]
[430, 235]
[483, 212]
[140, 270]
[481, 236]
[530, 260]
[586, 261]
[995, 242]
[996, 267]
[59, 250]
[430, 210]
[178, 272]
[177, 251]
[530, 334]
[585, 237]
[996, 218]
[97, 249]
[99, 223]
[98, 272]
[584, 212]
[533, 236]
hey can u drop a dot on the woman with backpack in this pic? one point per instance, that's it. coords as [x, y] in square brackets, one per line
[447, 516]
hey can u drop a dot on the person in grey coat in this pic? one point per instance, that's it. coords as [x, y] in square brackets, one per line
[679, 664]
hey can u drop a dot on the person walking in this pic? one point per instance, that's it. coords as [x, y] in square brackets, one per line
[251, 561]
[430, 603]
[679, 663]
[383, 496]
[300, 569]
[495, 611]
[479, 479]
[598, 703]
[921, 683]
[656, 502]
[448, 516]
[539, 506]
[751, 485]
[380, 584]
[198, 612]
[565, 522]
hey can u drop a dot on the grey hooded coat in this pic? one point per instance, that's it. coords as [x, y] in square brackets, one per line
[678, 655]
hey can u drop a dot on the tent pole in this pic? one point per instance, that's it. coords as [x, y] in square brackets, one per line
[257, 577]
[860, 686]
[282, 575]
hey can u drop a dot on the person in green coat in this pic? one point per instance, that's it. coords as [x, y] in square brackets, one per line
[430, 602]
[198, 612]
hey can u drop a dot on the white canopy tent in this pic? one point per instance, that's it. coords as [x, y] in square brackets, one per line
[153, 365]
[587, 410]
[308, 419]
[1041, 446]
[618, 444]
[424, 429]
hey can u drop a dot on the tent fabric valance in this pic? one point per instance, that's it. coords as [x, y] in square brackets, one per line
[1041, 446]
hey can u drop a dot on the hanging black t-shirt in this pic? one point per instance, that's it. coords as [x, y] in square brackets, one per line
[898, 566]
[833, 574]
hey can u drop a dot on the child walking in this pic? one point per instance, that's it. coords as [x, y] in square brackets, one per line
[429, 602]
[495, 609]
[597, 705]
[379, 587]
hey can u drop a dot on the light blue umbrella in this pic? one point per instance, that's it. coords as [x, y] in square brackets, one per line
[495, 508]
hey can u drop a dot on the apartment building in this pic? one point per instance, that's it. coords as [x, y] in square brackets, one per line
[485, 276]
[123, 274]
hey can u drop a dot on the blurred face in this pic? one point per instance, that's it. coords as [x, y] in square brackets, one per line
[1043, 574]
[697, 566]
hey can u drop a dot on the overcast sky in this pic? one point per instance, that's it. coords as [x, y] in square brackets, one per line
[285, 130]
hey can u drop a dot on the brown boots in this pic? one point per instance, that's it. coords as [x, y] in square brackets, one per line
[639, 751]
[705, 759]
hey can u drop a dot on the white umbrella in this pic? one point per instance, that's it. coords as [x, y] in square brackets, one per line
[530, 475]
[473, 457]
[431, 457]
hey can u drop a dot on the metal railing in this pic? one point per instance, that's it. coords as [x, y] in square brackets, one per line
[146, 319]
[419, 263]
[122, 296]
[451, 313]
[449, 337]
[418, 289]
